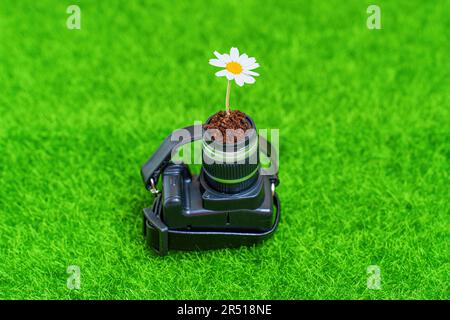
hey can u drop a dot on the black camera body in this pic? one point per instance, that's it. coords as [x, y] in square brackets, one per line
[226, 205]
[188, 202]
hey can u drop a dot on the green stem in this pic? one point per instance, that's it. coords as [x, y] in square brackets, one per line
[227, 98]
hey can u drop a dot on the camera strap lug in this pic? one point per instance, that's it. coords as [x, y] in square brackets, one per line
[153, 189]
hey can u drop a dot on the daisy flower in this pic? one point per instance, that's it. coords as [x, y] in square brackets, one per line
[237, 67]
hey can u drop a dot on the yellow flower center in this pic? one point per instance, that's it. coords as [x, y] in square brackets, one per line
[234, 67]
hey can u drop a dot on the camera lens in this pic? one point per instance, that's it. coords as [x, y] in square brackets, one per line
[231, 167]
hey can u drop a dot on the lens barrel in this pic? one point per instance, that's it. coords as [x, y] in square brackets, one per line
[231, 167]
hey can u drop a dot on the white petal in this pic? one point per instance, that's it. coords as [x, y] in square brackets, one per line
[226, 58]
[221, 73]
[229, 75]
[234, 54]
[217, 63]
[218, 55]
[243, 59]
[239, 80]
[225, 73]
[253, 66]
[250, 73]
[248, 79]
[249, 62]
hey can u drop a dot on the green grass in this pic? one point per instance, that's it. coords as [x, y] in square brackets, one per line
[364, 157]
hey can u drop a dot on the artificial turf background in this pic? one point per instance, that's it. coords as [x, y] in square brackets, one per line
[364, 120]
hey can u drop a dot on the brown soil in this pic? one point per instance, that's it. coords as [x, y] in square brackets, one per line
[222, 121]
